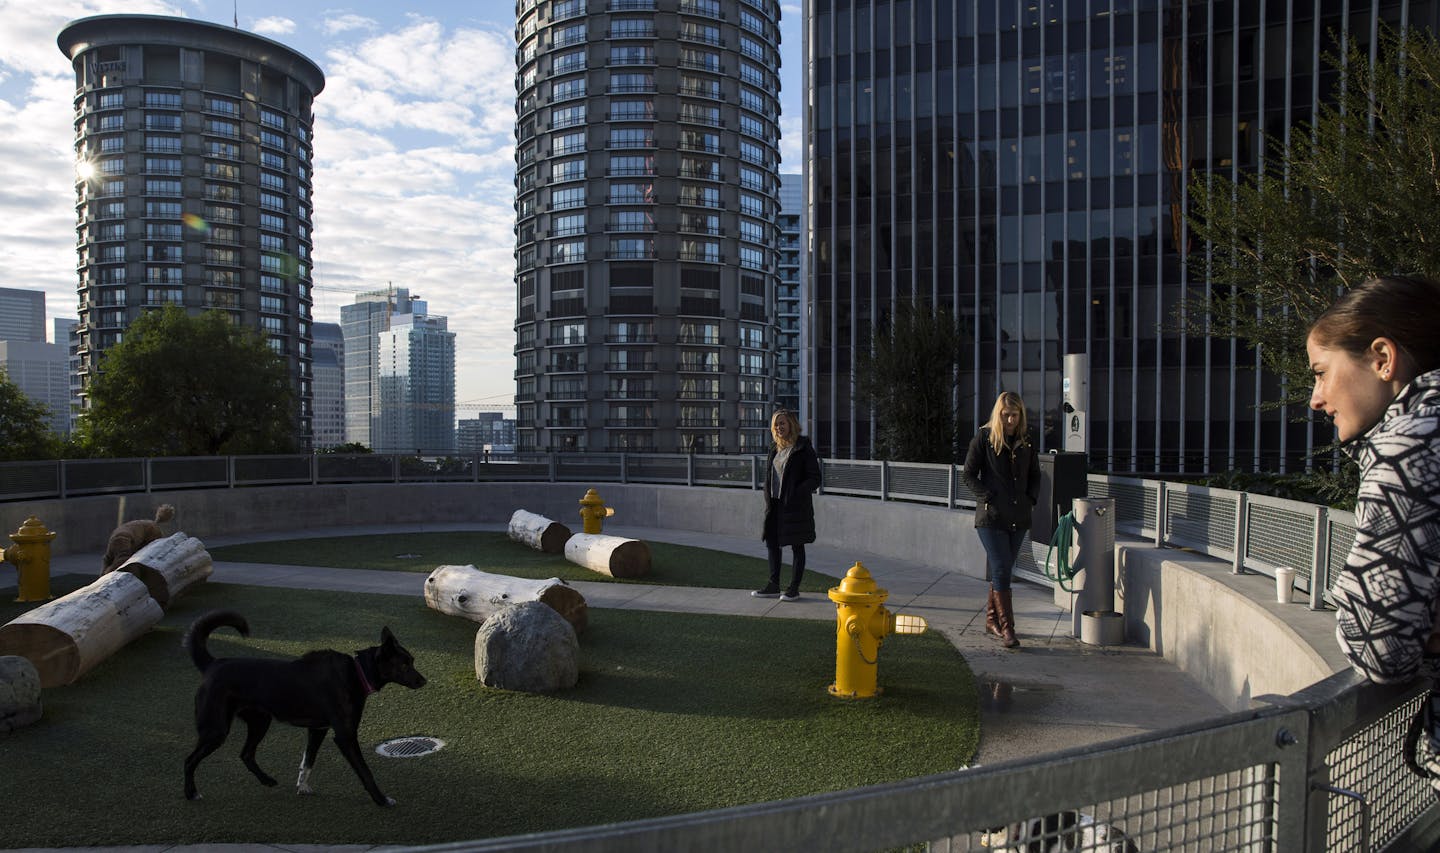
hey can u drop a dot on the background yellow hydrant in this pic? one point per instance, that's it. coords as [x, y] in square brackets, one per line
[593, 512]
[31, 556]
[861, 624]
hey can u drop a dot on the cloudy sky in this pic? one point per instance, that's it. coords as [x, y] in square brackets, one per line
[414, 154]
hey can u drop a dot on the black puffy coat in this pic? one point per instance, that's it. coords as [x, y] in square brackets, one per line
[796, 522]
[1008, 483]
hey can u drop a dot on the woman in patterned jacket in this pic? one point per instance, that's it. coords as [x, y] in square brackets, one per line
[1375, 354]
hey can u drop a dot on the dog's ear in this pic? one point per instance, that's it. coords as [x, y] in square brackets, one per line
[387, 638]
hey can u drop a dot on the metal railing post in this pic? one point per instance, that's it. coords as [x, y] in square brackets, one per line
[145, 473]
[1320, 559]
[689, 469]
[624, 467]
[1162, 513]
[950, 479]
[63, 479]
[884, 480]
[554, 467]
[314, 469]
[1242, 529]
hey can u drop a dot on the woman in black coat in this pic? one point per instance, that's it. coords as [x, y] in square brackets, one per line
[1002, 469]
[792, 474]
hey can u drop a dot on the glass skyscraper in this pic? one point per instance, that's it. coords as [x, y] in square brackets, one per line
[646, 241]
[1026, 164]
[194, 142]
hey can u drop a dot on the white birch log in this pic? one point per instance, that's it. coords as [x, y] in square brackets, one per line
[537, 531]
[170, 566]
[467, 592]
[70, 635]
[609, 555]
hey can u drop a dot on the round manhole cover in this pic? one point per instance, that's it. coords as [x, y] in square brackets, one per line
[410, 747]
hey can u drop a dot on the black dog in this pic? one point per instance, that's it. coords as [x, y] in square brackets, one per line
[321, 690]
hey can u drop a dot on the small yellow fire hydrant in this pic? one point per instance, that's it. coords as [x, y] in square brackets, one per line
[593, 512]
[31, 556]
[861, 625]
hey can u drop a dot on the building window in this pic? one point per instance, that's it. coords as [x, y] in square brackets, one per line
[753, 100]
[221, 105]
[274, 140]
[707, 60]
[565, 63]
[700, 114]
[567, 90]
[568, 35]
[272, 283]
[220, 127]
[700, 223]
[162, 100]
[568, 116]
[699, 250]
[567, 170]
[273, 201]
[273, 119]
[631, 28]
[567, 225]
[225, 150]
[632, 220]
[753, 205]
[752, 231]
[632, 55]
[701, 196]
[568, 197]
[703, 87]
[753, 127]
[632, 137]
[161, 121]
[162, 209]
[632, 248]
[622, 165]
[567, 251]
[632, 193]
[752, 74]
[696, 31]
[632, 110]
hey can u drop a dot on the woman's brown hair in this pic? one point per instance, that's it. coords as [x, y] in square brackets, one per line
[1404, 309]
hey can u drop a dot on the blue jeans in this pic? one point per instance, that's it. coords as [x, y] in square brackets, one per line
[1001, 549]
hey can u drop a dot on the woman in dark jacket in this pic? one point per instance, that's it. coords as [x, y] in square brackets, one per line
[1001, 468]
[792, 474]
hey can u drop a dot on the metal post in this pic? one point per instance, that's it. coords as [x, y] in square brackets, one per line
[145, 473]
[884, 480]
[624, 467]
[1320, 559]
[61, 478]
[1242, 508]
[950, 479]
[1162, 512]
[689, 469]
[554, 466]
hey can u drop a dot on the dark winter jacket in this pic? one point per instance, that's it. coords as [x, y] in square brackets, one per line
[1007, 485]
[796, 522]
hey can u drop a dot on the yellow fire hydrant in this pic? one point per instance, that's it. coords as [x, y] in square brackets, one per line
[31, 556]
[861, 625]
[593, 512]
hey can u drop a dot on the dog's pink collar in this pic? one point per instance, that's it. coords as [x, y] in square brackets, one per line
[364, 682]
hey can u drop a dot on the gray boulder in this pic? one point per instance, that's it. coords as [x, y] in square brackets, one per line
[527, 647]
[19, 693]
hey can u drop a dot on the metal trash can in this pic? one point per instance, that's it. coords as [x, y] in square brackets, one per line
[1062, 479]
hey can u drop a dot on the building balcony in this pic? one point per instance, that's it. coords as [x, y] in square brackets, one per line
[630, 367]
[630, 422]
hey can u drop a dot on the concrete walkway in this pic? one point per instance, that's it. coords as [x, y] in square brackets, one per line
[1051, 693]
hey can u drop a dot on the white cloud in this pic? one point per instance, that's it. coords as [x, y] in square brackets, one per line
[414, 185]
[273, 26]
[344, 22]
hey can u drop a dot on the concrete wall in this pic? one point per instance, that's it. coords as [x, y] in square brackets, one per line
[1226, 630]
[909, 532]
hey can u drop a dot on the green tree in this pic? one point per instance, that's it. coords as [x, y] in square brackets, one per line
[190, 386]
[908, 377]
[24, 427]
[1353, 196]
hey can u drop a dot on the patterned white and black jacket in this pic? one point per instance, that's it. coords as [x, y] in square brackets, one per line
[1388, 595]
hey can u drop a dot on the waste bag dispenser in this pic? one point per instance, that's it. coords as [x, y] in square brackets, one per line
[1062, 479]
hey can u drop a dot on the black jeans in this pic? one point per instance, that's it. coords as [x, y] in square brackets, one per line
[772, 546]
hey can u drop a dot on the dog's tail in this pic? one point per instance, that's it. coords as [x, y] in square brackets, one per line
[195, 637]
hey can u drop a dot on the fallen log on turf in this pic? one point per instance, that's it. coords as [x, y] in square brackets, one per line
[537, 531]
[615, 556]
[170, 566]
[70, 635]
[467, 592]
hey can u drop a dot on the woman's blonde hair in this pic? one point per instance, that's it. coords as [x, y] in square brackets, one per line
[794, 428]
[1006, 400]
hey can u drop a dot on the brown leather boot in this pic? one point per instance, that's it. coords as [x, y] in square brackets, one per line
[992, 616]
[1007, 619]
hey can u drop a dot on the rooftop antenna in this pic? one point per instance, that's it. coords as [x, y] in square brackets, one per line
[235, 8]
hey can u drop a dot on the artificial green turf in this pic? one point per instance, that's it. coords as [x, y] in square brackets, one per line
[673, 713]
[489, 551]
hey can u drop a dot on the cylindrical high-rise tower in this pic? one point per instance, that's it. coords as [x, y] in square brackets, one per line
[647, 188]
[193, 142]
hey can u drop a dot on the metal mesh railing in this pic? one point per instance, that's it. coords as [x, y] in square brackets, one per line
[271, 470]
[853, 477]
[915, 482]
[643, 468]
[1136, 502]
[1280, 533]
[1339, 536]
[724, 471]
[1382, 797]
[29, 480]
[1201, 519]
[101, 476]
